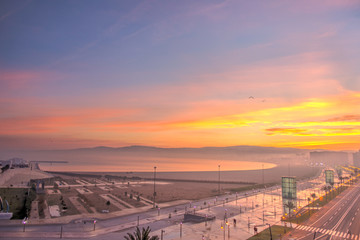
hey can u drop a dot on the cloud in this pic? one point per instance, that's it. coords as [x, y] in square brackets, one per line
[287, 131]
[18, 8]
[23, 79]
[344, 118]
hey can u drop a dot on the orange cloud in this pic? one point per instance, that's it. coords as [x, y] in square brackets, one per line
[287, 131]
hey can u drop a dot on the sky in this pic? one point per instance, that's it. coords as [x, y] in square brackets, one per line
[179, 73]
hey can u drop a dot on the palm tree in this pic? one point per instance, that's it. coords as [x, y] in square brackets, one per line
[290, 205]
[313, 195]
[141, 235]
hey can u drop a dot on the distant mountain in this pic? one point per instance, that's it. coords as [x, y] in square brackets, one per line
[244, 149]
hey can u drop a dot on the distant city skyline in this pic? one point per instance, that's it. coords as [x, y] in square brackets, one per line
[179, 74]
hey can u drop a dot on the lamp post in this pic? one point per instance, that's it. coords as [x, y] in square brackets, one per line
[162, 234]
[228, 229]
[223, 228]
[154, 186]
[24, 223]
[180, 229]
[219, 181]
[270, 231]
[94, 224]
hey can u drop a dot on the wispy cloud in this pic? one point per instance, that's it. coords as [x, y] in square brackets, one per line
[18, 8]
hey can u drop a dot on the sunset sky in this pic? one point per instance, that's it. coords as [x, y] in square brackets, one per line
[179, 73]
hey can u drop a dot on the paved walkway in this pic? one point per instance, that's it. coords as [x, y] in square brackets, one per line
[78, 205]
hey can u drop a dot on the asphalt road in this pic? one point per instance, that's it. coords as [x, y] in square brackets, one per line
[340, 219]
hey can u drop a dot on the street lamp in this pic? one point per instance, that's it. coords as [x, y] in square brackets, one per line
[270, 231]
[219, 180]
[94, 224]
[180, 229]
[154, 186]
[24, 221]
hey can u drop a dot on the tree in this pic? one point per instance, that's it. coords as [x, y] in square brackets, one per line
[290, 205]
[326, 189]
[108, 204]
[141, 235]
[313, 195]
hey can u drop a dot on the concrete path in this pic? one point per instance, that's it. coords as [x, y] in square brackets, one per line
[122, 202]
[112, 201]
[46, 210]
[78, 205]
[34, 214]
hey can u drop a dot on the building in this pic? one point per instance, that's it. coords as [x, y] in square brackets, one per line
[356, 159]
[15, 163]
[329, 177]
[289, 196]
[329, 158]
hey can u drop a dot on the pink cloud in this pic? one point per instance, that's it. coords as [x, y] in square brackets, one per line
[14, 80]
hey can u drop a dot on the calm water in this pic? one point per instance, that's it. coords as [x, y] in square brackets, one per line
[162, 164]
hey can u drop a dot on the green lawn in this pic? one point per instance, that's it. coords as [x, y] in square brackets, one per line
[277, 232]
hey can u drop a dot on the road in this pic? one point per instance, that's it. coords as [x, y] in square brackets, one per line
[340, 219]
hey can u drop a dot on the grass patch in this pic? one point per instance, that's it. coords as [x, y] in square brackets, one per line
[83, 203]
[320, 202]
[19, 201]
[276, 231]
[251, 187]
[323, 200]
[303, 217]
